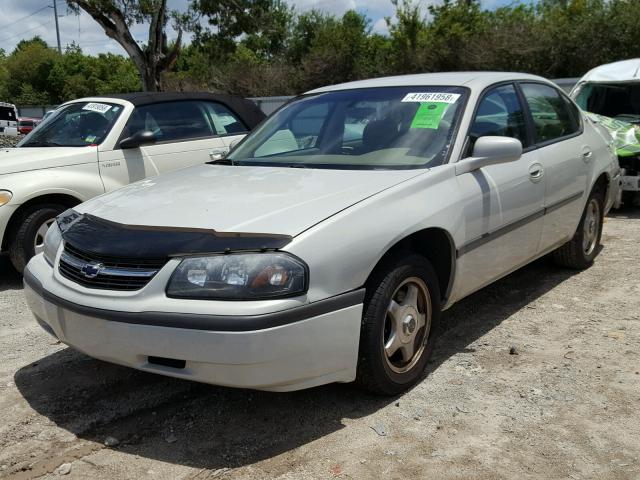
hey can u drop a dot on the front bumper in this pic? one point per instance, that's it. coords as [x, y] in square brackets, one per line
[280, 351]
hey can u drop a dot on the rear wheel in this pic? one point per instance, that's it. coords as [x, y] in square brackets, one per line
[27, 239]
[580, 252]
[400, 319]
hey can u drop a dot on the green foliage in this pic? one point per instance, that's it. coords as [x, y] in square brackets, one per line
[34, 74]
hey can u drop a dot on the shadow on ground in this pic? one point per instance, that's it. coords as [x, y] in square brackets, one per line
[631, 213]
[217, 427]
[9, 278]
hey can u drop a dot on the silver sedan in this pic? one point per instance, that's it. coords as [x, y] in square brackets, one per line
[326, 245]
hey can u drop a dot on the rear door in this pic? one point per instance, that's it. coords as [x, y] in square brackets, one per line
[503, 203]
[187, 132]
[565, 155]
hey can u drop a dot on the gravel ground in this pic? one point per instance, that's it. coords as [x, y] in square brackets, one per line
[563, 406]
[9, 142]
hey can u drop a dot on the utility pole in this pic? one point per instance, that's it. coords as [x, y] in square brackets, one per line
[55, 13]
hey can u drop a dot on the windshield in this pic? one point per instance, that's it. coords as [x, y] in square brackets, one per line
[615, 100]
[372, 128]
[75, 125]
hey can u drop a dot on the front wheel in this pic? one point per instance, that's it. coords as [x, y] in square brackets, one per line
[400, 320]
[580, 252]
[27, 239]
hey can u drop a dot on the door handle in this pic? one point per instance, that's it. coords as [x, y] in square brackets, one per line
[218, 153]
[586, 154]
[536, 171]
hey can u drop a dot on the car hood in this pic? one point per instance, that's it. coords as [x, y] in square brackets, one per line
[14, 160]
[626, 136]
[242, 199]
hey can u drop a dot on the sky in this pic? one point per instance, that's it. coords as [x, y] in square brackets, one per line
[23, 19]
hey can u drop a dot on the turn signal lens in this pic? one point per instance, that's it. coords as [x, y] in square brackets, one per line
[5, 197]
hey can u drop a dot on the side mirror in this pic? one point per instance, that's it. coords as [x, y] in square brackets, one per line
[490, 151]
[143, 137]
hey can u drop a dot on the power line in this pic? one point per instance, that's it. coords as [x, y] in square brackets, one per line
[23, 18]
[26, 31]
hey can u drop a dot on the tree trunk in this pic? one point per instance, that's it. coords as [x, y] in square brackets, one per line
[150, 79]
[154, 59]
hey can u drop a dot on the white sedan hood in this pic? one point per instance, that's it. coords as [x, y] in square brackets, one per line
[242, 199]
[14, 160]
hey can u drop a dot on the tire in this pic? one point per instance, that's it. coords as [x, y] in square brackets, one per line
[386, 371]
[580, 252]
[22, 243]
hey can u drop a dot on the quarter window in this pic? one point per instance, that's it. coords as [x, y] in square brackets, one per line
[552, 117]
[500, 114]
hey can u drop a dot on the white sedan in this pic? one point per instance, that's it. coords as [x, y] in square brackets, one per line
[326, 245]
[90, 146]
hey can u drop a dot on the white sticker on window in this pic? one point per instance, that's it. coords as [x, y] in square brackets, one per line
[432, 97]
[97, 107]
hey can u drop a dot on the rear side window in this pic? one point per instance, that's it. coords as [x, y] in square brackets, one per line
[172, 121]
[223, 120]
[7, 114]
[500, 114]
[552, 117]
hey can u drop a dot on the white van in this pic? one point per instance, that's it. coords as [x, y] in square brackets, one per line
[8, 119]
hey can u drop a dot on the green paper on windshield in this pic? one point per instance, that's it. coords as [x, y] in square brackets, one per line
[429, 115]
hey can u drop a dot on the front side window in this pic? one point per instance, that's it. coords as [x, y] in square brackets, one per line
[224, 121]
[171, 121]
[500, 114]
[369, 128]
[552, 117]
[76, 125]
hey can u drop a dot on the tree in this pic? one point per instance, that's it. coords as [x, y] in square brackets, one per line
[408, 37]
[28, 69]
[116, 18]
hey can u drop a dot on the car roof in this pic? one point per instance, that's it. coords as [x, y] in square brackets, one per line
[622, 71]
[473, 80]
[248, 111]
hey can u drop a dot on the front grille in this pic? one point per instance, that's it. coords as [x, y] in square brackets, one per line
[124, 274]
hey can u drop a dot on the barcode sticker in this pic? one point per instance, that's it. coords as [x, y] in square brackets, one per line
[432, 97]
[97, 107]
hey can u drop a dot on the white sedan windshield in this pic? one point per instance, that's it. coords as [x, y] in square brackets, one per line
[75, 125]
[380, 128]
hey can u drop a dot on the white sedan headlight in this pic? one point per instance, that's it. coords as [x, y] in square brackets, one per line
[241, 276]
[52, 241]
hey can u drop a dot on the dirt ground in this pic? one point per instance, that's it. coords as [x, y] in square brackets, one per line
[564, 406]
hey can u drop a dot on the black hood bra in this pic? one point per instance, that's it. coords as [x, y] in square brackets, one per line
[110, 239]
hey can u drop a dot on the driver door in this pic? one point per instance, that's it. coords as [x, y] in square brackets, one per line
[503, 203]
[186, 134]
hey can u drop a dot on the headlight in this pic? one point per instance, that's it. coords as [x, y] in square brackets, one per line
[52, 241]
[5, 197]
[242, 276]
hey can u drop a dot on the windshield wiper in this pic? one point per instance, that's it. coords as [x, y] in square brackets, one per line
[39, 143]
[221, 161]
